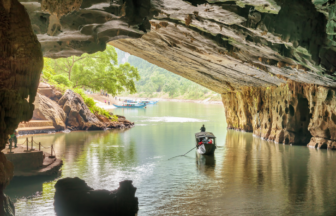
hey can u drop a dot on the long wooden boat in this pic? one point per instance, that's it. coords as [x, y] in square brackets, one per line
[131, 105]
[205, 143]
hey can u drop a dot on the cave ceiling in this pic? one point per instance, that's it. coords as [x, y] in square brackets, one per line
[222, 45]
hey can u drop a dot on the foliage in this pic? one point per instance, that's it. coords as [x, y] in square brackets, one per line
[92, 105]
[171, 88]
[62, 79]
[62, 83]
[98, 71]
[48, 71]
[158, 80]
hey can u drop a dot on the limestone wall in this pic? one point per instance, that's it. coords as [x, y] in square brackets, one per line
[293, 113]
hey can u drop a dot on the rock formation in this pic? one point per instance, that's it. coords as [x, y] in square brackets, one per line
[293, 113]
[49, 91]
[20, 67]
[47, 109]
[74, 197]
[79, 117]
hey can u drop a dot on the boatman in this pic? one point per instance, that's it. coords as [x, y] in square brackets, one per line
[203, 129]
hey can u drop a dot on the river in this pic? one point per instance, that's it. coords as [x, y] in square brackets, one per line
[247, 175]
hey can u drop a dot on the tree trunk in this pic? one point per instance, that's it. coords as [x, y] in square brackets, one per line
[73, 62]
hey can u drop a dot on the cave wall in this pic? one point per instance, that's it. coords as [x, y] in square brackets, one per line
[21, 63]
[293, 113]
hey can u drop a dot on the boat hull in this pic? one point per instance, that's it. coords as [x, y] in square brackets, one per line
[141, 106]
[206, 149]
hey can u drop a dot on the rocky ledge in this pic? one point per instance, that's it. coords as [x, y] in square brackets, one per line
[73, 197]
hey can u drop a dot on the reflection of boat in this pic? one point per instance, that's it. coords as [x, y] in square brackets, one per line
[131, 105]
[208, 160]
[205, 143]
[149, 102]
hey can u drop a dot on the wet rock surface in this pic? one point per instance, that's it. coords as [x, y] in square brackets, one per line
[294, 113]
[73, 197]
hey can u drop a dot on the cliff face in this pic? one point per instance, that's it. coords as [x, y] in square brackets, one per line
[293, 113]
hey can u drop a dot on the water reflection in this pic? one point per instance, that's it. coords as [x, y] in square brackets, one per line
[248, 176]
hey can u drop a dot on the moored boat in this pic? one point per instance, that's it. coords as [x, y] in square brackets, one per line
[205, 143]
[131, 105]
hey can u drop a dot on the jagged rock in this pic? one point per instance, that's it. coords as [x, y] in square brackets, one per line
[120, 117]
[57, 95]
[47, 109]
[125, 122]
[73, 197]
[78, 114]
[122, 122]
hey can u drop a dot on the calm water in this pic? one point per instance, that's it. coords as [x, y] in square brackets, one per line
[247, 176]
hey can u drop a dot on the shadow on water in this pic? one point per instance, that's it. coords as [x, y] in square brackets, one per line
[28, 186]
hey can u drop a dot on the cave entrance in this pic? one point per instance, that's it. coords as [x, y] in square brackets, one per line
[303, 136]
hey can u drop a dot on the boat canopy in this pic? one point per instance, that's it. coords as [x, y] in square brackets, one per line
[204, 134]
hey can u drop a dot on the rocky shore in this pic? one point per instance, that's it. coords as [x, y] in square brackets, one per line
[55, 111]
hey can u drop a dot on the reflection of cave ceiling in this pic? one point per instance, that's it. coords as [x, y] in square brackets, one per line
[220, 44]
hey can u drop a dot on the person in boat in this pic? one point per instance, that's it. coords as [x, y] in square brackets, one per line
[203, 129]
[206, 140]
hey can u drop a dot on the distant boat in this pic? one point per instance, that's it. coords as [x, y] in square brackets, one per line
[149, 102]
[131, 105]
[130, 101]
[205, 143]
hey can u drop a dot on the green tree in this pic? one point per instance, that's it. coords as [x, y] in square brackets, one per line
[158, 80]
[171, 88]
[48, 72]
[62, 79]
[99, 71]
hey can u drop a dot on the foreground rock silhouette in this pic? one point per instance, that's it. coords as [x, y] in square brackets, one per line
[74, 197]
